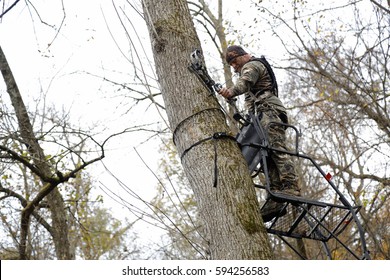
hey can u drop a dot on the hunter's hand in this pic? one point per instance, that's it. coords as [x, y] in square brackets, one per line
[225, 92]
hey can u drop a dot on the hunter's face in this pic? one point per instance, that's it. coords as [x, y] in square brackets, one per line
[237, 63]
[234, 65]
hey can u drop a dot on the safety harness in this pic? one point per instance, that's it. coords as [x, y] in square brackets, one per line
[274, 86]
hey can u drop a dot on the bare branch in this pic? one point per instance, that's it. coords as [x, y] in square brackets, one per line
[9, 9]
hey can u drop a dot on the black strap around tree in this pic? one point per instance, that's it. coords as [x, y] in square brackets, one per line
[215, 137]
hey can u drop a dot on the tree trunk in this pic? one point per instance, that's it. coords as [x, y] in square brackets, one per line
[55, 200]
[230, 210]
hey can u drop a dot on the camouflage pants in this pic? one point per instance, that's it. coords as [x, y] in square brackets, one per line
[281, 168]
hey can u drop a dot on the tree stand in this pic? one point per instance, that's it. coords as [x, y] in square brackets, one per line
[316, 220]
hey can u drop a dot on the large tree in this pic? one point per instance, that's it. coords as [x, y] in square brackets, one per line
[230, 210]
[22, 146]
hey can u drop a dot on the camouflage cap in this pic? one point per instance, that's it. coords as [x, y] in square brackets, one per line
[233, 52]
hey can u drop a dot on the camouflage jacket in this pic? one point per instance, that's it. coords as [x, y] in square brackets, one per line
[256, 84]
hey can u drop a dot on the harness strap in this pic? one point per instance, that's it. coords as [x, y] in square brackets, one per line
[274, 87]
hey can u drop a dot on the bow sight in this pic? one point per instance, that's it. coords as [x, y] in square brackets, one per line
[197, 66]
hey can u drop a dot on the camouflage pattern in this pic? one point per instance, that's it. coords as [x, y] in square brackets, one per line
[281, 167]
[256, 84]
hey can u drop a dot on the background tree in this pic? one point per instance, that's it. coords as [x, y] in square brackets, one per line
[90, 230]
[40, 167]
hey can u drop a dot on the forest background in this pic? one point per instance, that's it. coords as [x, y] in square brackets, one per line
[85, 71]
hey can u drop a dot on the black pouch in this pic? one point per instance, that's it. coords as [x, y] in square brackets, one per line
[251, 139]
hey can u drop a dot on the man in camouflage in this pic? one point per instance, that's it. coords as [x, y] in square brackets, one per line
[256, 83]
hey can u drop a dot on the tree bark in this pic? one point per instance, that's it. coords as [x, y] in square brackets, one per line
[43, 170]
[230, 210]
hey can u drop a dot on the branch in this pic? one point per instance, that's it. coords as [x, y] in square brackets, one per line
[381, 6]
[385, 181]
[24, 203]
[9, 8]
[22, 160]
[47, 189]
